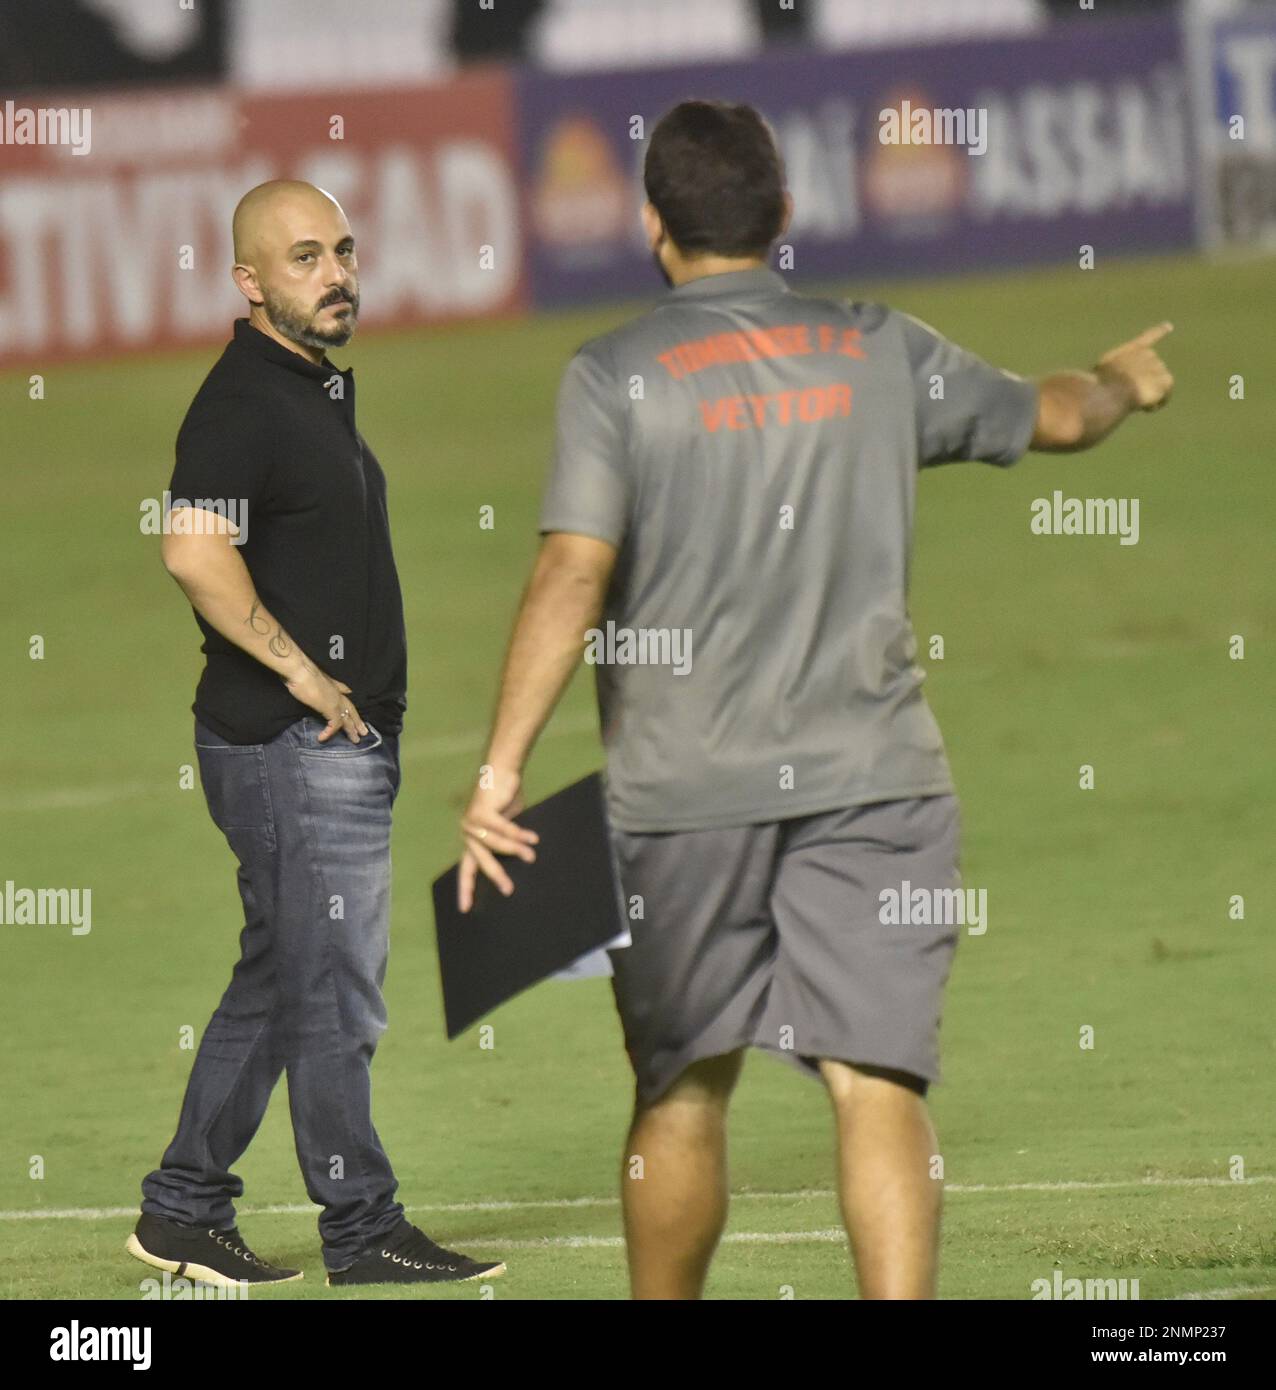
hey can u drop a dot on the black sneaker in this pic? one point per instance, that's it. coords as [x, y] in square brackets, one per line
[196, 1252]
[408, 1256]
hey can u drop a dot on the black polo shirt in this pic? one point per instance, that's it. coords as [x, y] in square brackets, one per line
[274, 435]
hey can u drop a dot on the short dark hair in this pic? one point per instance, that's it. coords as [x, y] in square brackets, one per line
[716, 178]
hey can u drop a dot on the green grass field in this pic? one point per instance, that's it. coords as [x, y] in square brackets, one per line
[1107, 907]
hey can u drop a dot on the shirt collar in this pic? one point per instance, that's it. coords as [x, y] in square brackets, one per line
[732, 282]
[246, 336]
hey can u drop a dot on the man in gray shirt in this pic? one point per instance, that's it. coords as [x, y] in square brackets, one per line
[727, 530]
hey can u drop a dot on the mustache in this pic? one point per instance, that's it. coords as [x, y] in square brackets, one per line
[337, 297]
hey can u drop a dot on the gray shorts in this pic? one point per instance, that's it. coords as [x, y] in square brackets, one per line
[771, 936]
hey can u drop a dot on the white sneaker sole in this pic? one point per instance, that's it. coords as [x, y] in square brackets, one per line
[469, 1279]
[203, 1273]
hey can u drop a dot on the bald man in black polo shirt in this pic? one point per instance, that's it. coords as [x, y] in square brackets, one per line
[279, 536]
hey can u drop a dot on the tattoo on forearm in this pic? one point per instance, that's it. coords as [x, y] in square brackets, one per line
[255, 619]
[280, 644]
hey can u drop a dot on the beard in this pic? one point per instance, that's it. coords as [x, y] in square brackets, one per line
[297, 326]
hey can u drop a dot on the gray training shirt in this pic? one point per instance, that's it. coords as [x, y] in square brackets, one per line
[753, 454]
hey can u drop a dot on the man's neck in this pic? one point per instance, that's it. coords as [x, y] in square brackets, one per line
[682, 272]
[257, 317]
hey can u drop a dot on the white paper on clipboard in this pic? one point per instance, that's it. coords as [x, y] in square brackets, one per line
[595, 963]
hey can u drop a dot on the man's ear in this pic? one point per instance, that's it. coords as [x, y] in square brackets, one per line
[652, 225]
[788, 213]
[245, 278]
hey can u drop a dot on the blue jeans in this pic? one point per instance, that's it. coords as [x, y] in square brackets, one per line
[309, 823]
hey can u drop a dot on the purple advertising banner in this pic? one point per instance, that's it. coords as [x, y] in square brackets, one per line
[900, 161]
[1239, 189]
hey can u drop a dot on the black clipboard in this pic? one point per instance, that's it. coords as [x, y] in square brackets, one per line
[564, 906]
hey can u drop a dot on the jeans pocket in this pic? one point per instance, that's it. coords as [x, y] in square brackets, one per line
[236, 788]
[338, 747]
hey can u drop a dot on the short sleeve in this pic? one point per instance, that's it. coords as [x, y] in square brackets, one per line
[588, 489]
[965, 409]
[225, 454]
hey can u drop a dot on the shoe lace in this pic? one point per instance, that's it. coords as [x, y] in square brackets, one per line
[414, 1247]
[233, 1241]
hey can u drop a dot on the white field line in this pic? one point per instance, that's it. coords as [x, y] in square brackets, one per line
[410, 750]
[567, 1203]
[1225, 1293]
[453, 745]
[832, 1237]
[76, 798]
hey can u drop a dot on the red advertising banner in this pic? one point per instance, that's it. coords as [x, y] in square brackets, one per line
[115, 209]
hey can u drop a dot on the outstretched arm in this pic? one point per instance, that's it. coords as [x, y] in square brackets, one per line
[564, 598]
[1077, 409]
